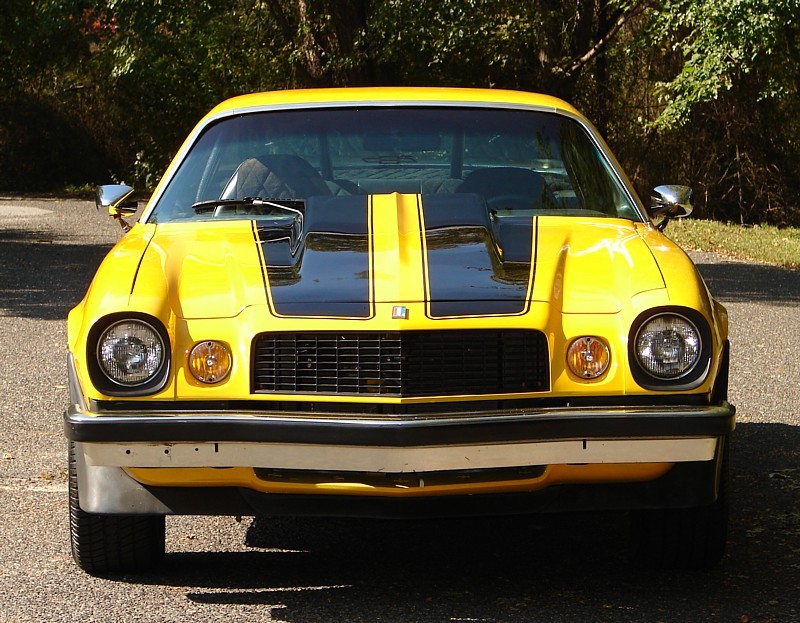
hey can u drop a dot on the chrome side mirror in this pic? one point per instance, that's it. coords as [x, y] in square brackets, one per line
[670, 201]
[117, 199]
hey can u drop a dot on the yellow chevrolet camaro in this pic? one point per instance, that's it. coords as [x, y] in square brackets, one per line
[396, 302]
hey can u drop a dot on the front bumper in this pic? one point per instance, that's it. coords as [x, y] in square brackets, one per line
[685, 440]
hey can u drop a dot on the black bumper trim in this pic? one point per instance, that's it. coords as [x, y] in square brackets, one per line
[469, 428]
[306, 408]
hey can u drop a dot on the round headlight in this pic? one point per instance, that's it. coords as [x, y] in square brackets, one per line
[209, 362]
[130, 352]
[668, 346]
[588, 357]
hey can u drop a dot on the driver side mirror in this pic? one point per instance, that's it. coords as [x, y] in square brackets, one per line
[117, 199]
[670, 201]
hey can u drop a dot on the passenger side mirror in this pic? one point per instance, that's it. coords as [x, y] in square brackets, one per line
[670, 201]
[117, 199]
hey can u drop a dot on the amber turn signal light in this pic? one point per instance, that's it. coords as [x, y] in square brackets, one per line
[588, 357]
[210, 362]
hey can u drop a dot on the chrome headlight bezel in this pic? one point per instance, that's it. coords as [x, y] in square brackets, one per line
[105, 380]
[694, 373]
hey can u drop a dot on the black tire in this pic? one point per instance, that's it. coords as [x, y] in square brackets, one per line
[685, 538]
[112, 544]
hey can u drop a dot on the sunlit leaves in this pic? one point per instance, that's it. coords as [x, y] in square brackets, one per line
[724, 42]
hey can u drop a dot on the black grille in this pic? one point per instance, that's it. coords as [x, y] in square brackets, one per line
[402, 363]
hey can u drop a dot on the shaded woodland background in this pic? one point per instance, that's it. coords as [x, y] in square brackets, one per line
[699, 92]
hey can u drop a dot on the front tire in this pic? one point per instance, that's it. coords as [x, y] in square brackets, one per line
[685, 538]
[111, 544]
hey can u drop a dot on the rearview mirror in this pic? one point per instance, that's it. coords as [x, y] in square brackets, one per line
[117, 199]
[670, 201]
[396, 142]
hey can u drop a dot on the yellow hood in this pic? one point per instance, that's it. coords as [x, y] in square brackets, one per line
[592, 265]
[201, 270]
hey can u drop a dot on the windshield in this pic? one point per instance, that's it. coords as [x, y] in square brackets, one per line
[518, 162]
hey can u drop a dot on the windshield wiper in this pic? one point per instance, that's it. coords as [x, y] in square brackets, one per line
[293, 206]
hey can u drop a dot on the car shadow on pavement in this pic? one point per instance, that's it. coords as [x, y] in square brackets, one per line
[548, 568]
[739, 282]
[42, 276]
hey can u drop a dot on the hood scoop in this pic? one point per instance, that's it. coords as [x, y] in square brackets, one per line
[318, 262]
[475, 265]
[441, 249]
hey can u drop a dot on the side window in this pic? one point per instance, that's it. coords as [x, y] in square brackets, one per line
[591, 177]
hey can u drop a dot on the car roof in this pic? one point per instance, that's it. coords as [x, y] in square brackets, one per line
[386, 96]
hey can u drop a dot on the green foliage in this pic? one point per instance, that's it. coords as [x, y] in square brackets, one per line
[725, 43]
[721, 104]
[444, 43]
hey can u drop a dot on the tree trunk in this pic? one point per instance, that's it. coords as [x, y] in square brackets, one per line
[330, 34]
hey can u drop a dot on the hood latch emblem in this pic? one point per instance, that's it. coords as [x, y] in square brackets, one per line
[399, 312]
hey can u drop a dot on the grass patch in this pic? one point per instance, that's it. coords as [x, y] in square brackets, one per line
[761, 243]
[80, 189]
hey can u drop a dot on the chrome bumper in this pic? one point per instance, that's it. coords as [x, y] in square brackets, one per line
[396, 460]
[107, 443]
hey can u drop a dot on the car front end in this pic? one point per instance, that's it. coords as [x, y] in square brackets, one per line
[392, 303]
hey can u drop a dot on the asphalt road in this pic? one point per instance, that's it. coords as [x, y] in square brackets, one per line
[550, 569]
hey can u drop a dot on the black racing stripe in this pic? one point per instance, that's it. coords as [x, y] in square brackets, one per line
[325, 274]
[467, 276]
